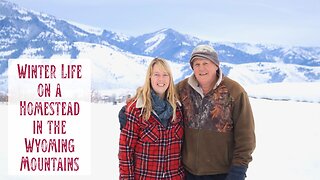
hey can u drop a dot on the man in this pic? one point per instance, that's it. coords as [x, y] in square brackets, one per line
[219, 124]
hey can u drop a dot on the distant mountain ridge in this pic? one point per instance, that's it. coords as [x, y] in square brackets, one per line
[29, 34]
[47, 35]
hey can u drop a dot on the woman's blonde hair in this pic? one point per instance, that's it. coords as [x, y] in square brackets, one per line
[145, 91]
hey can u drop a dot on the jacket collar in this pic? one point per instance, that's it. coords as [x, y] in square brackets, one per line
[139, 103]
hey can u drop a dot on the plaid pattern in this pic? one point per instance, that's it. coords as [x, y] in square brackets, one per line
[148, 150]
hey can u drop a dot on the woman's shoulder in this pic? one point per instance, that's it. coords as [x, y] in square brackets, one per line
[132, 110]
[130, 105]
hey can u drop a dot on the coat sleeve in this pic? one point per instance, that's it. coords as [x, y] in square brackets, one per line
[244, 135]
[122, 117]
[128, 139]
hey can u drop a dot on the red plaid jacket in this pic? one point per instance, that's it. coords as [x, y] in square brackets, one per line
[148, 150]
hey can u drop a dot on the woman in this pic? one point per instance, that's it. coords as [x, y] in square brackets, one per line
[151, 140]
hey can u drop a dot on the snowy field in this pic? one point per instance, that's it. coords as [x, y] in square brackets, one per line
[287, 135]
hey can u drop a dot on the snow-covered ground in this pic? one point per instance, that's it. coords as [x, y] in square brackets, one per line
[287, 135]
[295, 91]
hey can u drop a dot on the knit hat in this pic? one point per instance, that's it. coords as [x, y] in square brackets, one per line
[205, 51]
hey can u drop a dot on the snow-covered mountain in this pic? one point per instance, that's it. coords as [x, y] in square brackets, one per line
[175, 46]
[166, 43]
[28, 34]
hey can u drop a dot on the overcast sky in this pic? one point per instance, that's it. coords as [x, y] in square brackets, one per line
[283, 22]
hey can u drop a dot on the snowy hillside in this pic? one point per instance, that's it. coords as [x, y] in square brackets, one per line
[258, 73]
[113, 69]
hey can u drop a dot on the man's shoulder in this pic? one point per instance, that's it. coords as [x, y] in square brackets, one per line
[182, 83]
[233, 86]
[230, 82]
